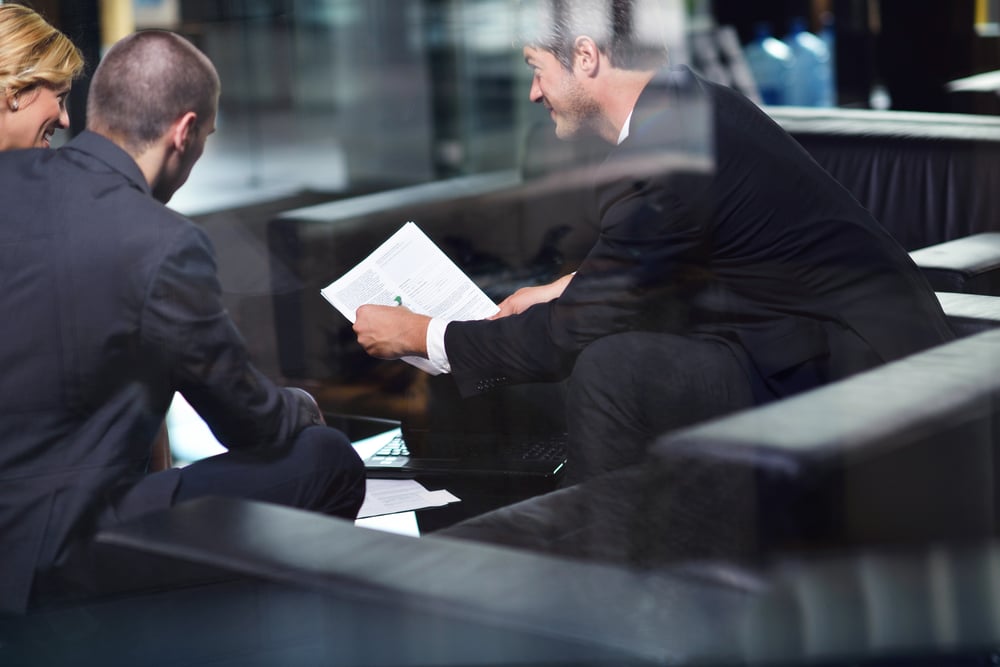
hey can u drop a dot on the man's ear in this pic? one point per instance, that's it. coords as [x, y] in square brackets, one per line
[586, 55]
[183, 130]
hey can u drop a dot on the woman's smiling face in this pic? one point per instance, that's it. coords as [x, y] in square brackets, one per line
[31, 117]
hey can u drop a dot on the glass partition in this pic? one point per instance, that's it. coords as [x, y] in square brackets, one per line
[340, 120]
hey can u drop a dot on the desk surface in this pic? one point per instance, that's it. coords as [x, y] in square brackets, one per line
[475, 498]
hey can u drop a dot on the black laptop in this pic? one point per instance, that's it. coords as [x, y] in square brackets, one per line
[421, 453]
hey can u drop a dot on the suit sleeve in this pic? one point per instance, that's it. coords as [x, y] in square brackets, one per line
[650, 253]
[186, 326]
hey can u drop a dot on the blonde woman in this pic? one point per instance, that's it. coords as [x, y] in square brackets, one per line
[37, 67]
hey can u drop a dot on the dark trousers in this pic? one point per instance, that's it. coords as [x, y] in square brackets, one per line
[318, 471]
[628, 388]
[620, 506]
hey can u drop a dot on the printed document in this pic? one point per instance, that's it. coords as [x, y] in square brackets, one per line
[388, 496]
[394, 496]
[410, 270]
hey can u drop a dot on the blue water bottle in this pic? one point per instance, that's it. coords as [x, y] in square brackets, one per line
[771, 63]
[811, 82]
[828, 34]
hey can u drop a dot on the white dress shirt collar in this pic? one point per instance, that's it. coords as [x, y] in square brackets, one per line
[625, 128]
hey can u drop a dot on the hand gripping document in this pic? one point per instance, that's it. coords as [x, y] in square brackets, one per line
[409, 269]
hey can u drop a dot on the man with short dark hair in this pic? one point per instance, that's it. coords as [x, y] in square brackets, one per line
[730, 269]
[113, 305]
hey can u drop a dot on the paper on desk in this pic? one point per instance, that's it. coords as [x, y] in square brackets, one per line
[386, 496]
[410, 270]
[401, 523]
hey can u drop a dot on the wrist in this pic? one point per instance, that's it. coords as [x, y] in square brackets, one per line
[420, 336]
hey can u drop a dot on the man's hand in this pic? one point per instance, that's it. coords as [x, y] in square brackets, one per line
[391, 332]
[526, 297]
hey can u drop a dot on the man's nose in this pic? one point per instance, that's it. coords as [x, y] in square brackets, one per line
[535, 94]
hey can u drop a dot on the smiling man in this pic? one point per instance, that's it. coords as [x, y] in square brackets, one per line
[730, 269]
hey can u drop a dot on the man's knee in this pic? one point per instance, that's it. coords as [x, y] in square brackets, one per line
[629, 388]
[666, 367]
[603, 356]
[612, 371]
[602, 368]
[333, 462]
[325, 447]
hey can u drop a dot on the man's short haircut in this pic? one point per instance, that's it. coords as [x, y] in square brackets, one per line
[33, 53]
[145, 82]
[629, 32]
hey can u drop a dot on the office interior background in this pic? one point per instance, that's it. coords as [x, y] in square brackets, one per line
[328, 101]
[345, 96]
[325, 100]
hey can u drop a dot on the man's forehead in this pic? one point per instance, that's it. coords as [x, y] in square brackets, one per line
[532, 54]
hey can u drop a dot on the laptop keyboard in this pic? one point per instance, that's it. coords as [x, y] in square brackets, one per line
[550, 448]
[395, 447]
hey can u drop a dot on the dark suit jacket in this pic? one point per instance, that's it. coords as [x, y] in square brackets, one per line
[714, 222]
[111, 304]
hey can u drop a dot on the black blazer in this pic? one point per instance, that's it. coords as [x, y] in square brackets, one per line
[111, 304]
[715, 222]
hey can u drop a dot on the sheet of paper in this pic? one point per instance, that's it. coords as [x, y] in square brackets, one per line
[387, 496]
[410, 270]
[401, 523]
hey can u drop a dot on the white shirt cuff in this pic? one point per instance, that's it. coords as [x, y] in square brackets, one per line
[435, 346]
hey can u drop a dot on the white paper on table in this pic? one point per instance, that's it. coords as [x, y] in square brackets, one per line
[401, 523]
[387, 496]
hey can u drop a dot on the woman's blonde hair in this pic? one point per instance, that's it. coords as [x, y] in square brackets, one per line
[32, 52]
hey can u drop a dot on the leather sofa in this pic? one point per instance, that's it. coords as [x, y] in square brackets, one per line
[970, 264]
[927, 177]
[932, 180]
[853, 523]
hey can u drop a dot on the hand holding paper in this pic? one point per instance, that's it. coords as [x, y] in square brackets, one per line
[412, 280]
[391, 332]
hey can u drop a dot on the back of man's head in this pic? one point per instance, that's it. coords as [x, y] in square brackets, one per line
[144, 83]
[630, 32]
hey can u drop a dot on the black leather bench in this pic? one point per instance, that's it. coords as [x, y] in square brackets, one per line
[930, 179]
[486, 604]
[970, 313]
[970, 264]
[854, 521]
[927, 177]
[346, 595]
[904, 454]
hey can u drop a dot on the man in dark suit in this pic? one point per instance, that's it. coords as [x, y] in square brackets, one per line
[730, 269]
[112, 305]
